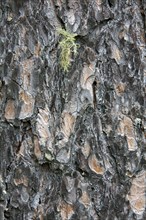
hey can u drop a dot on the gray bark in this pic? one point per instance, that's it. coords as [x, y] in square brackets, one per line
[72, 144]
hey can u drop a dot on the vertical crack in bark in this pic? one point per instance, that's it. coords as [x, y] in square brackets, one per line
[94, 87]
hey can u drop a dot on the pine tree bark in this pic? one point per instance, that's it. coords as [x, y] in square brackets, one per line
[72, 143]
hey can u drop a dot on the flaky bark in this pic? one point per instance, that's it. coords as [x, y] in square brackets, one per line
[72, 144]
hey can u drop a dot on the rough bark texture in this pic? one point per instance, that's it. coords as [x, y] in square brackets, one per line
[72, 145]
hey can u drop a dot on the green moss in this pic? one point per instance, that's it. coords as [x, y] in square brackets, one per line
[68, 47]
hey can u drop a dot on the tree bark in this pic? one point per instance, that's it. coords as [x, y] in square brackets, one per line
[72, 143]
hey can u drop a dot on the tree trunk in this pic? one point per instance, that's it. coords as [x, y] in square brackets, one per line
[72, 143]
